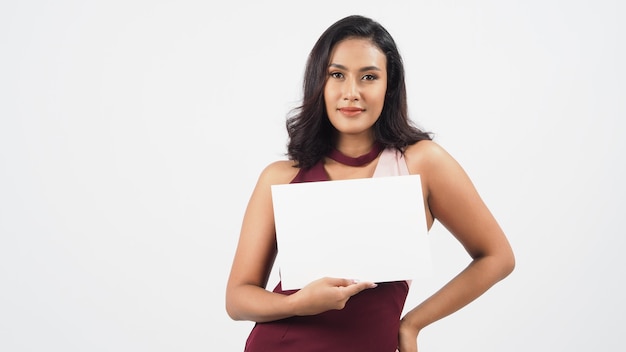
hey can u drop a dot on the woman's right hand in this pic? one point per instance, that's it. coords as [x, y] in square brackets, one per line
[326, 294]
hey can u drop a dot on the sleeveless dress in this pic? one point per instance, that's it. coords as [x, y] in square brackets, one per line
[370, 320]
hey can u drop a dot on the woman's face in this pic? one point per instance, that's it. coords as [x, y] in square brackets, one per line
[356, 85]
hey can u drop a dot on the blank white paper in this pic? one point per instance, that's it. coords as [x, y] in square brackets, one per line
[371, 229]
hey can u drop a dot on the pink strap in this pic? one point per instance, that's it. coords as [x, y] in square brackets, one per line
[391, 163]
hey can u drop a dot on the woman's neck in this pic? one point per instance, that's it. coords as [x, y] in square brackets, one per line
[354, 146]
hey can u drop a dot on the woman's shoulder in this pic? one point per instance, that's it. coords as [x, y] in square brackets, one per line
[425, 155]
[279, 172]
[426, 150]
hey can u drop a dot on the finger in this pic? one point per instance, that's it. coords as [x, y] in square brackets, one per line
[340, 282]
[358, 287]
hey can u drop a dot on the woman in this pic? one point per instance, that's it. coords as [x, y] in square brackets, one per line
[353, 123]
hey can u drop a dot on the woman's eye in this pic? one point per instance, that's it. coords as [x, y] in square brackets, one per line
[369, 77]
[336, 75]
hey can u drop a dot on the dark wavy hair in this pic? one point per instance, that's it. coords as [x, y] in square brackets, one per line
[311, 135]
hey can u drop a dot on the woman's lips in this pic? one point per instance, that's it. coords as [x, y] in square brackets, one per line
[351, 111]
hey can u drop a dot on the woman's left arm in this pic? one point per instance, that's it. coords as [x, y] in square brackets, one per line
[452, 199]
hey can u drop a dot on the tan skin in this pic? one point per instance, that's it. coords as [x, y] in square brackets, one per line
[354, 95]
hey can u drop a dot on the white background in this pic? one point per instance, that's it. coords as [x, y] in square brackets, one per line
[132, 133]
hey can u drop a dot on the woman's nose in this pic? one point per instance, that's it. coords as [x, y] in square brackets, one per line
[351, 91]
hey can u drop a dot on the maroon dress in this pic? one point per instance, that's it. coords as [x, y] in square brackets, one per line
[368, 323]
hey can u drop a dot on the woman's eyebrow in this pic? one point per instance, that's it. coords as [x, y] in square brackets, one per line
[362, 69]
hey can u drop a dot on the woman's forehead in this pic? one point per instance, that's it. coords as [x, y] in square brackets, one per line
[357, 52]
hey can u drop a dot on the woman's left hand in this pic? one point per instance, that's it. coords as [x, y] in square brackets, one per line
[407, 338]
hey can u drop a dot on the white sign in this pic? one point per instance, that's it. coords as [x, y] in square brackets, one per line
[370, 229]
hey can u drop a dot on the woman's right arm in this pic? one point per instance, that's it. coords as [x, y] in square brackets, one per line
[246, 295]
